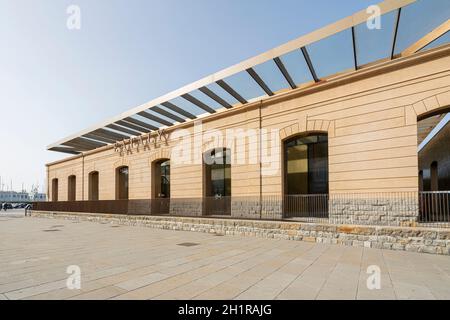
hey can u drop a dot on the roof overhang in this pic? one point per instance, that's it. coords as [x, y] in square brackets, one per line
[267, 74]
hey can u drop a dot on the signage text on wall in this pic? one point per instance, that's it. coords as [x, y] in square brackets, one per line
[142, 143]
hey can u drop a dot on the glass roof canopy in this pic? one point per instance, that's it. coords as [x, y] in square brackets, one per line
[407, 27]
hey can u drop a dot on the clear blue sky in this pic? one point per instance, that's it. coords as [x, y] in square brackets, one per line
[55, 81]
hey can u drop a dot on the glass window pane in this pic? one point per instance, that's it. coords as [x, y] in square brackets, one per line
[148, 121]
[206, 100]
[159, 115]
[444, 39]
[297, 169]
[174, 112]
[333, 54]
[271, 75]
[187, 106]
[297, 67]
[419, 19]
[375, 44]
[214, 87]
[244, 84]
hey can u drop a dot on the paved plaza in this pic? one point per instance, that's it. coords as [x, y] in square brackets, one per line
[125, 262]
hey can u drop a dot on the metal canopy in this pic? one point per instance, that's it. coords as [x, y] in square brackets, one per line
[122, 129]
[126, 124]
[407, 27]
[154, 118]
[175, 108]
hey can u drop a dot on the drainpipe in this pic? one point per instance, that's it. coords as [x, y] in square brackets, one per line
[82, 176]
[260, 160]
[48, 185]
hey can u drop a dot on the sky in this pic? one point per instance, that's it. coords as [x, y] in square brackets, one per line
[55, 81]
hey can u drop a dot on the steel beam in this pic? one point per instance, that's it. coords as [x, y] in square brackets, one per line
[84, 143]
[197, 102]
[309, 63]
[174, 108]
[123, 129]
[167, 114]
[110, 135]
[355, 57]
[77, 146]
[231, 91]
[123, 123]
[394, 37]
[215, 97]
[259, 81]
[285, 72]
[99, 138]
[64, 150]
[140, 123]
[154, 118]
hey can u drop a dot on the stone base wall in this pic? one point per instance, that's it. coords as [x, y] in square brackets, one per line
[415, 239]
[186, 207]
[248, 209]
[399, 211]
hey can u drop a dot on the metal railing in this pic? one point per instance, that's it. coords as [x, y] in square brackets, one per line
[306, 206]
[431, 209]
[217, 206]
[434, 207]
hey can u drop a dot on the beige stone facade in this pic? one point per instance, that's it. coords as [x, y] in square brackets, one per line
[370, 116]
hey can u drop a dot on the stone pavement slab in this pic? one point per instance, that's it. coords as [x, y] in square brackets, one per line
[126, 262]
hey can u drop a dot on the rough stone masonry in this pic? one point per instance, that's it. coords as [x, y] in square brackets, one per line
[414, 239]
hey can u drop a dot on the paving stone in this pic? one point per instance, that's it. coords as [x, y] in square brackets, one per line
[133, 262]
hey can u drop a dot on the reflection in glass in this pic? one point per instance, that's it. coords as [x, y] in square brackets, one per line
[122, 183]
[306, 165]
[218, 173]
[162, 179]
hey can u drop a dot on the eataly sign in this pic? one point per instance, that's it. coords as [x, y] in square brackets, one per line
[144, 142]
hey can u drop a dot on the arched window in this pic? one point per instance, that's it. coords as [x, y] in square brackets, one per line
[306, 173]
[217, 168]
[217, 182]
[161, 178]
[434, 178]
[72, 188]
[122, 183]
[306, 165]
[55, 189]
[93, 186]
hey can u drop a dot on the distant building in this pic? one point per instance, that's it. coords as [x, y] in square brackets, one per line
[14, 196]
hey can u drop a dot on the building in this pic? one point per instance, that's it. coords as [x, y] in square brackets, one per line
[23, 196]
[325, 126]
[434, 159]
